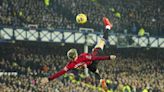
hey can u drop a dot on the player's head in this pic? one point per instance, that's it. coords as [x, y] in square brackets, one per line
[72, 54]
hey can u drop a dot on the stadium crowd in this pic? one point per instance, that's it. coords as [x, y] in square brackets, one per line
[128, 15]
[33, 61]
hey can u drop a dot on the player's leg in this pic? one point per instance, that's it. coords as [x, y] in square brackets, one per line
[94, 70]
[102, 41]
[108, 27]
[100, 44]
[98, 50]
[98, 80]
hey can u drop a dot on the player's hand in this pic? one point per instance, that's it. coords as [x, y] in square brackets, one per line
[44, 81]
[112, 57]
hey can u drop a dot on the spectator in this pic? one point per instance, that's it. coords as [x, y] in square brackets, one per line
[61, 14]
[137, 71]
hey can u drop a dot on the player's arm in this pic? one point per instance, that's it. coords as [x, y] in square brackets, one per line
[47, 79]
[58, 74]
[111, 57]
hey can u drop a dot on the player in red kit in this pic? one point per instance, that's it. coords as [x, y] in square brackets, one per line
[87, 60]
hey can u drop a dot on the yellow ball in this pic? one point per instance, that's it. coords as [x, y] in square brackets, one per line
[81, 18]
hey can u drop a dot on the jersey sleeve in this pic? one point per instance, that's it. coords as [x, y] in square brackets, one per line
[61, 72]
[92, 58]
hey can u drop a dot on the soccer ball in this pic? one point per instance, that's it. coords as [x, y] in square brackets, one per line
[81, 18]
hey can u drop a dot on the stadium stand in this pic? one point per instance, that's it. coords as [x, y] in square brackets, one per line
[125, 14]
[32, 60]
[23, 63]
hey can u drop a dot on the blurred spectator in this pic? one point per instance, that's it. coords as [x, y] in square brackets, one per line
[135, 72]
[60, 14]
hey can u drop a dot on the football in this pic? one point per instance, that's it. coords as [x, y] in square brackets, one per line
[81, 18]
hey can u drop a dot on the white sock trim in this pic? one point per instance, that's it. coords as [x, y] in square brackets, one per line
[108, 27]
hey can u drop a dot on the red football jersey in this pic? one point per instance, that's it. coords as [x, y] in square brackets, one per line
[81, 60]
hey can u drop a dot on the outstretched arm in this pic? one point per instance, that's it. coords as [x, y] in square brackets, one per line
[56, 75]
[45, 80]
[100, 58]
[111, 57]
